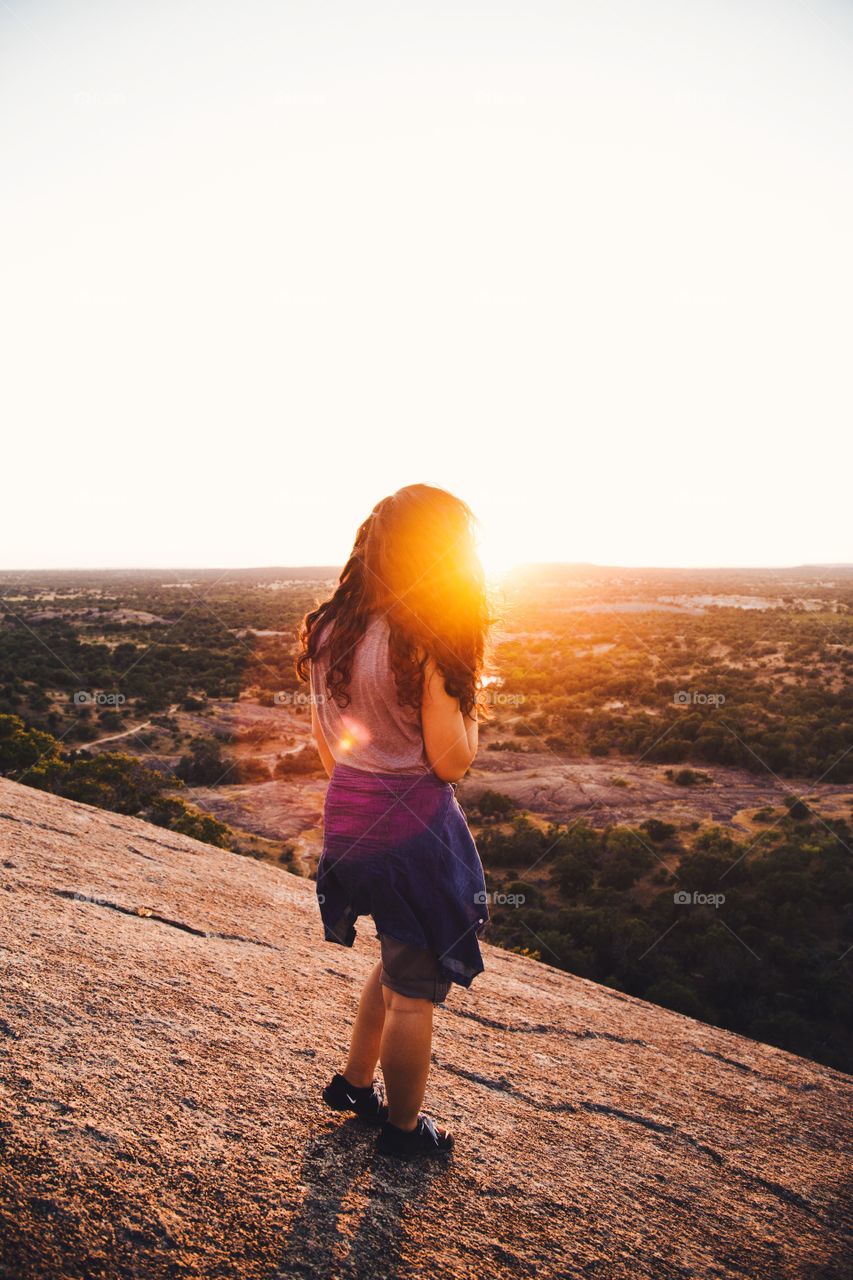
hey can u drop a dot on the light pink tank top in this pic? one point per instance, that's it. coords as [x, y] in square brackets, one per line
[373, 732]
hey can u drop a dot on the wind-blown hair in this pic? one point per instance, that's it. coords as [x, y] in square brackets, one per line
[414, 561]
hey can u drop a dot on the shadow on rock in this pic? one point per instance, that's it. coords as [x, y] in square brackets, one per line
[355, 1208]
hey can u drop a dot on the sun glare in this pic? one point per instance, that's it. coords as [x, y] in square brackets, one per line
[496, 552]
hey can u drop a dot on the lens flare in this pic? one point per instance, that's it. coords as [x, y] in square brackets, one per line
[356, 734]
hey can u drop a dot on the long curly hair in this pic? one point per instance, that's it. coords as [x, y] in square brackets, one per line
[415, 562]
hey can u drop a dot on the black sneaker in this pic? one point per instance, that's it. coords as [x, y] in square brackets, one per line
[426, 1139]
[366, 1102]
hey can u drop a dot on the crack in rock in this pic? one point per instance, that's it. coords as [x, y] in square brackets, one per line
[606, 1035]
[670, 1130]
[542, 1028]
[776, 1189]
[501, 1084]
[149, 857]
[42, 826]
[656, 1126]
[529, 1028]
[743, 1067]
[721, 1057]
[143, 913]
[173, 848]
[601, 1108]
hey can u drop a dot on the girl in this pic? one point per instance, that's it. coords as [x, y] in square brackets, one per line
[394, 660]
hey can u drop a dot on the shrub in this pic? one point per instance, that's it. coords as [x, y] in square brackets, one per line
[492, 804]
[306, 760]
[251, 770]
[111, 780]
[21, 748]
[797, 808]
[176, 815]
[658, 831]
[573, 874]
[205, 765]
[687, 777]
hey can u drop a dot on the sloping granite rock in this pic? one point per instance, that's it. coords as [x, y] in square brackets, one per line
[169, 1015]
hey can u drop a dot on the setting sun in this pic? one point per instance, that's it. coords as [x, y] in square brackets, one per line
[497, 551]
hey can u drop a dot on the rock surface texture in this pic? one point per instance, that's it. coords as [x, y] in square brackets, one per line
[169, 1015]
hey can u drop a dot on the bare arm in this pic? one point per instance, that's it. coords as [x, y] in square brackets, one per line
[319, 737]
[450, 737]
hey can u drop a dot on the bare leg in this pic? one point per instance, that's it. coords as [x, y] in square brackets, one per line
[366, 1032]
[405, 1055]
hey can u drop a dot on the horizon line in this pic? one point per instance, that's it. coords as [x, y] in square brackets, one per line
[327, 569]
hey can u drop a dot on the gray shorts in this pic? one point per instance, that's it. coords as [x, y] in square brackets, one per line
[411, 971]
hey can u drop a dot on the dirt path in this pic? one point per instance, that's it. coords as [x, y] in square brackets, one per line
[125, 733]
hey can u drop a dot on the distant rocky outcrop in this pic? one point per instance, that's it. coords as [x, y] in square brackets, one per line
[169, 1015]
[614, 790]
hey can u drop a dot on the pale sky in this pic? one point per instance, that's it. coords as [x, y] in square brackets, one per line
[588, 264]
